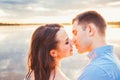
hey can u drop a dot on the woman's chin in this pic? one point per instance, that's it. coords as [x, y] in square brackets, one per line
[80, 51]
[70, 54]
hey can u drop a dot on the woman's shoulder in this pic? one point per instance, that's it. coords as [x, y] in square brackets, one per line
[60, 76]
[32, 76]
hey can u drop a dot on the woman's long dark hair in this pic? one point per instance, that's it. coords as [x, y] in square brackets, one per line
[39, 59]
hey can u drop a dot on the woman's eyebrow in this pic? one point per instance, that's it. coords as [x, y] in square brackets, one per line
[67, 39]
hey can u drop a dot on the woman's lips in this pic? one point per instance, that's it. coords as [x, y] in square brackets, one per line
[71, 49]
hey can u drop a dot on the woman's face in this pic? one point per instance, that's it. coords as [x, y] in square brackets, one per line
[64, 45]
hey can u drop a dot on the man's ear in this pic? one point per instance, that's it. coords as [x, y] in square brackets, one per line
[53, 53]
[91, 29]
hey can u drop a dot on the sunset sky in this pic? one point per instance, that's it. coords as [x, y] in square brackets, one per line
[40, 11]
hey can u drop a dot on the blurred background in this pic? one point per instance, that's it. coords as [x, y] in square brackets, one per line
[19, 19]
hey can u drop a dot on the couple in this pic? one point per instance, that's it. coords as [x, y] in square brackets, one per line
[50, 44]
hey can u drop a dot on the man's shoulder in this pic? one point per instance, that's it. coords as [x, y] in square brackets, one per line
[91, 68]
[100, 72]
[93, 72]
[105, 63]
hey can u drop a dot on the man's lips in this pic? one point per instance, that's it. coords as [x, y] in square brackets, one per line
[76, 46]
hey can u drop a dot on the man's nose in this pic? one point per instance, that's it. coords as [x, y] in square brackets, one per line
[73, 39]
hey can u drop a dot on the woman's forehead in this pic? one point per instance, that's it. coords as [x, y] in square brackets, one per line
[61, 34]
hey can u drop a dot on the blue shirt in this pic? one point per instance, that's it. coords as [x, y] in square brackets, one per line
[103, 65]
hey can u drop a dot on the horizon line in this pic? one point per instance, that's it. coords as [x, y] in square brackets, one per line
[111, 23]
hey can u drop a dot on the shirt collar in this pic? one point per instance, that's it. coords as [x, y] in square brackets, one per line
[100, 51]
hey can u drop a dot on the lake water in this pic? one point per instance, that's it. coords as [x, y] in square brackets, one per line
[14, 46]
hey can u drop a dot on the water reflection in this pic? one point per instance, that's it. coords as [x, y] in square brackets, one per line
[14, 46]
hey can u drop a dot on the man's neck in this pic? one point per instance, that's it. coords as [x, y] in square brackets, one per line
[98, 43]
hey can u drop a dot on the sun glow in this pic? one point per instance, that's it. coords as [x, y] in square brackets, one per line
[110, 14]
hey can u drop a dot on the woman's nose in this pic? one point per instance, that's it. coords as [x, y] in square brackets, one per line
[71, 42]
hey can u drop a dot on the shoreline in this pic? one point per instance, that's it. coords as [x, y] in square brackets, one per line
[111, 24]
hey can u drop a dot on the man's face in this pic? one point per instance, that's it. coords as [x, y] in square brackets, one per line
[80, 37]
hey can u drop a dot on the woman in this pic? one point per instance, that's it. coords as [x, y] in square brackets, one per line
[50, 44]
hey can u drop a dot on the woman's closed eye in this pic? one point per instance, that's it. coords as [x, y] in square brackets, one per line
[66, 42]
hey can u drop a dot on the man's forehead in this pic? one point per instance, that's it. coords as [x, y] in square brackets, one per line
[75, 22]
[75, 25]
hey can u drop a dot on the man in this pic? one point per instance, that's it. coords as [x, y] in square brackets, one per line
[89, 36]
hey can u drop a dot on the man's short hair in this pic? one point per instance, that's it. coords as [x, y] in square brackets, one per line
[91, 17]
